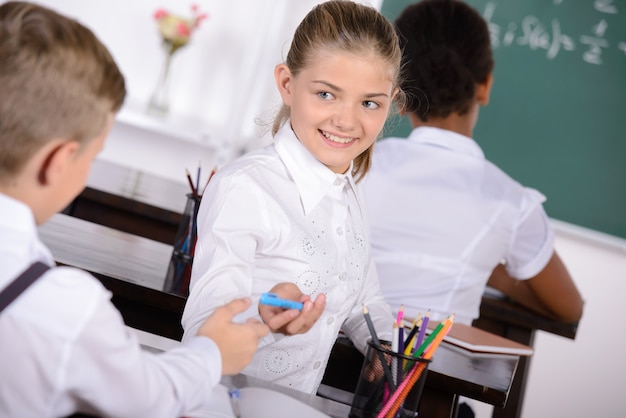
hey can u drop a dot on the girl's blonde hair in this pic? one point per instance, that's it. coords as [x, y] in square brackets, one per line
[343, 26]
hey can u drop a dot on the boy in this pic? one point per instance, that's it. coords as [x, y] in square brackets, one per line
[63, 346]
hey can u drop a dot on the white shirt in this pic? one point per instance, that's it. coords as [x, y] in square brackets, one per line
[278, 215]
[64, 347]
[443, 217]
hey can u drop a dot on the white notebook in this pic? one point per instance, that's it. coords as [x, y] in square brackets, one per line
[478, 340]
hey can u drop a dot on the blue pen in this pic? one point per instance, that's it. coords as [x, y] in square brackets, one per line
[234, 401]
[273, 300]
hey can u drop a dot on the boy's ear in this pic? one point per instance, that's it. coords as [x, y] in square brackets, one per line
[483, 91]
[283, 77]
[56, 161]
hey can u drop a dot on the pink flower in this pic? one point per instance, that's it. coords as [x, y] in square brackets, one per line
[160, 14]
[176, 30]
[183, 30]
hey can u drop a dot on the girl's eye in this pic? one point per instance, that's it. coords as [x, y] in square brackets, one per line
[370, 104]
[325, 95]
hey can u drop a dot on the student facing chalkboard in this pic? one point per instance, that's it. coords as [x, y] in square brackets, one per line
[443, 218]
[556, 116]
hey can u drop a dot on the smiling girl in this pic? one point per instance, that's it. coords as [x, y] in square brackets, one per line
[289, 218]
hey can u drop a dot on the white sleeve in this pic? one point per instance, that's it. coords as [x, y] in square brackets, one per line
[533, 241]
[229, 229]
[107, 368]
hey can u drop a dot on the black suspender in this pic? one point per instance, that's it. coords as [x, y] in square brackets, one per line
[21, 283]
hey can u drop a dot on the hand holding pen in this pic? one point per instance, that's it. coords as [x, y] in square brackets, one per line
[292, 321]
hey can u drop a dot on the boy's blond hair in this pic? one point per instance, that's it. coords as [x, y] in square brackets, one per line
[57, 80]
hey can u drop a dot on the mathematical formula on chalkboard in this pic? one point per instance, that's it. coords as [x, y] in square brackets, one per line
[592, 44]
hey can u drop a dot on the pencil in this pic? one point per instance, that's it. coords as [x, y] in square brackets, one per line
[400, 316]
[193, 189]
[396, 349]
[395, 401]
[415, 327]
[198, 178]
[209, 178]
[376, 342]
[420, 337]
[418, 352]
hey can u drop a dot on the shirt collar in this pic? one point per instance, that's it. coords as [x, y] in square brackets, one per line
[312, 178]
[16, 215]
[446, 139]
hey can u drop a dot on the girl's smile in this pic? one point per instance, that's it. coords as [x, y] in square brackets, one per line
[336, 140]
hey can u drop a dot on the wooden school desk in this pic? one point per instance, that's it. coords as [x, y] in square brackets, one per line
[120, 197]
[134, 267]
[132, 201]
[512, 321]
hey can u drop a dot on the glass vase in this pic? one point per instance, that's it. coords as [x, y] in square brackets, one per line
[159, 103]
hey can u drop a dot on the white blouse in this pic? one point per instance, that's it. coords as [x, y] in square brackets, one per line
[443, 217]
[278, 215]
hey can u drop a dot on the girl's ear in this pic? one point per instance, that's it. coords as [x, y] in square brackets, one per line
[283, 77]
[483, 91]
[56, 161]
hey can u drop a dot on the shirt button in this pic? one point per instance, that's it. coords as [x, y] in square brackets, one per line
[317, 365]
[339, 231]
[337, 182]
[343, 276]
[330, 320]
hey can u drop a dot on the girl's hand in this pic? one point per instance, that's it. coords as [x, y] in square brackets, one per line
[292, 321]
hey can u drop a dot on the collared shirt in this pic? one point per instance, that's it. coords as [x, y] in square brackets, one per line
[443, 217]
[64, 347]
[279, 215]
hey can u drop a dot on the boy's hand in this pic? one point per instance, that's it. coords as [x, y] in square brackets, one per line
[237, 342]
[292, 321]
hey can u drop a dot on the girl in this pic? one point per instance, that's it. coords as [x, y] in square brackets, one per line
[289, 218]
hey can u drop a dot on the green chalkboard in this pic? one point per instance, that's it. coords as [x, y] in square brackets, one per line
[557, 116]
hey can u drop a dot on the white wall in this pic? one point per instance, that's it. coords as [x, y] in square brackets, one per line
[585, 377]
[224, 81]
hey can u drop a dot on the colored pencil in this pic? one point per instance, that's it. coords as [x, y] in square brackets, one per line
[422, 333]
[209, 178]
[415, 327]
[376, 342]
[193, 189]
[395, 401]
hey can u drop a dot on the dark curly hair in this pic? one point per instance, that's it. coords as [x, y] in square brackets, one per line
[446, 53]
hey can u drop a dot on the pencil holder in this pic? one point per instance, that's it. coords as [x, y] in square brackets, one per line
[179, 269]
[390, 384]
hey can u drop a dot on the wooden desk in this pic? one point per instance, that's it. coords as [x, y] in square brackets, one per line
[133, 268]
[517, 323]
[131, 201]
[121, 198]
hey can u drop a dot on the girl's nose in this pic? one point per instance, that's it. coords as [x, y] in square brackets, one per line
[344, 117]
